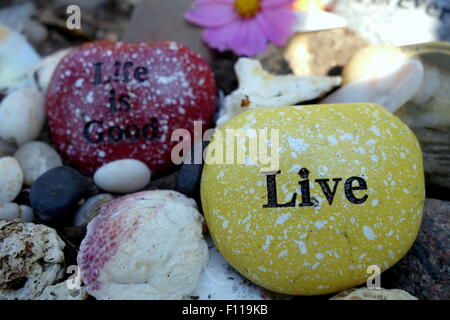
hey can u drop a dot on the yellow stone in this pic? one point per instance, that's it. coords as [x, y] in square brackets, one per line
[324, 248]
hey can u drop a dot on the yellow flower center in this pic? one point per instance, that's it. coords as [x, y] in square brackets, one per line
[247, 8]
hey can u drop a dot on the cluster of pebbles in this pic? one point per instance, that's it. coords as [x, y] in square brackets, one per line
[40, 195]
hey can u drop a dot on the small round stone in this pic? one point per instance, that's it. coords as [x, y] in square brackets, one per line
[11, 179]
[22, 116]
[9, 211]
[36, 158]
[123, 176]
[56, 194]
[26, 213]
[90, 208]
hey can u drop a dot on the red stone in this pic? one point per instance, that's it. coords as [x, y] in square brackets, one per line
[110, 101]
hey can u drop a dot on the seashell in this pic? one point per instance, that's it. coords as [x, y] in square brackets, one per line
[373, 294]
[29, 252]
[16, 56]
[91, 208]
[42, 72]
[390, 87]
[428, 112]
[259, 89]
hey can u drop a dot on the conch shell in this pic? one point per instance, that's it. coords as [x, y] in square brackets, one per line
[259, 88]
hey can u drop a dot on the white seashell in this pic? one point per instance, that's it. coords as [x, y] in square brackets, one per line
[259, 88]
[9, 211]
[91, 208]
[30, 252]
[123, 176]
[11, 179]
[36, 158]
[219, 281]
[61, 291]
[153, 246]
[373, 294]
[16, 57]
[26, 214]
[42, 72]
[390, 87]
[22, 116]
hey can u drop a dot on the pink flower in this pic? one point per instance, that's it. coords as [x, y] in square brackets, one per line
[243, 26]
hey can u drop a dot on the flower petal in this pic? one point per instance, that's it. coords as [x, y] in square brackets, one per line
[220, 38]
[250, 40]
[273, 4]
[276, 24]
[209, 13]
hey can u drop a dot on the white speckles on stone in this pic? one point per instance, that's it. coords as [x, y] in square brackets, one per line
[375, 131]
[319, 256]
[221, 174]
[262, 269]
[319, 224]
[79, 83]
[332, 140]
[269, 239]
[298, 145]
[283, 218]
[346, 136]
[302, 247]
[368, 233]
[283, 253]
[90, 97]
[374, 202]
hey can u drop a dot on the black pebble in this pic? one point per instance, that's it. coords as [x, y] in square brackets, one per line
[189, 176]
[55, 195]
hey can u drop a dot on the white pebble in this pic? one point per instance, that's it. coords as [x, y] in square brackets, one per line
[22, 116]
[36, 158]
[26, 214]
[123, 176]
[11, 179]
[9, 211]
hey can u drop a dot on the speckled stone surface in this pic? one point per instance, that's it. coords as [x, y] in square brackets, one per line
[109, 101]
[314, 247]
[425, 270]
